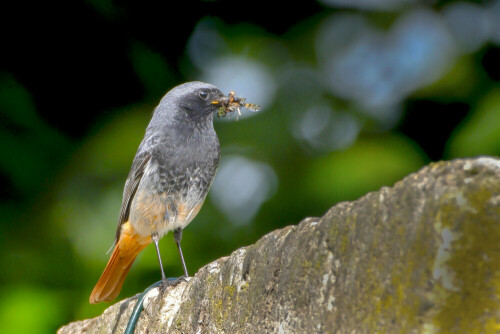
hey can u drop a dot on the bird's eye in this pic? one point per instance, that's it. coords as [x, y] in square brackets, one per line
[203, 94]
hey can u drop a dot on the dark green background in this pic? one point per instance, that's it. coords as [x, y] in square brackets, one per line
[78, 83]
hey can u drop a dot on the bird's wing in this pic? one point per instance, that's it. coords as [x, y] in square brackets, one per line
[131, 185]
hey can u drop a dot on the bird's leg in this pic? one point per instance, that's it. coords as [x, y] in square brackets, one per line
[155, 239]
[177, 238]
[163, 284]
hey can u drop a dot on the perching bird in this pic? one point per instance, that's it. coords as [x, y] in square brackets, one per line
[169, 179]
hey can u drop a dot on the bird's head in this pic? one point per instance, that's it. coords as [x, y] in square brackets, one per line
[190, 102]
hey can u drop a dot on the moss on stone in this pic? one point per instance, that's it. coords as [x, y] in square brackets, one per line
[475, 261]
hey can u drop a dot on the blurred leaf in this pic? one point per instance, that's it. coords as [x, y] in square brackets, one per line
[458, 82]
[113, 146]
[30, 147]
[25, 309]
[106, 8]
[16, 103]
[154, 73]
[371, 163]
[479, 133]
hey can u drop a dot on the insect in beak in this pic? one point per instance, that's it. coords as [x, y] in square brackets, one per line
[231, 103]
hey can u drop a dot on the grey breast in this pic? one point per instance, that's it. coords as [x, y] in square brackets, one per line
[176, 180]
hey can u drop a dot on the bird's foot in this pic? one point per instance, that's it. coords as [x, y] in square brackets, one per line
[172, 281]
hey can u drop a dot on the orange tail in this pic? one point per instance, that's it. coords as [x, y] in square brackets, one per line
[126, 250]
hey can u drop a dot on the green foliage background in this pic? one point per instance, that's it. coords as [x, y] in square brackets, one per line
[62, 193]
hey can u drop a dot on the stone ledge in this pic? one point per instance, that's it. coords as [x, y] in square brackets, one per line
[421, 256]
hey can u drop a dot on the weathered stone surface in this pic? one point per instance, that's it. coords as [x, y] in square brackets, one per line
[420, 257]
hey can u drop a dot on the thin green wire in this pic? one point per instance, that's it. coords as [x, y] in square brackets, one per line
[136, 312]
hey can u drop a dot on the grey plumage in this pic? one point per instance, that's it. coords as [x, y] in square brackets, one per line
[175, 163]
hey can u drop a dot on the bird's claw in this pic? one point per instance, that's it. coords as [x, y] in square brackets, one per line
[172, 281]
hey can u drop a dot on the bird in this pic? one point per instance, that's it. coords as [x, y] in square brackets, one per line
[168, 181]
